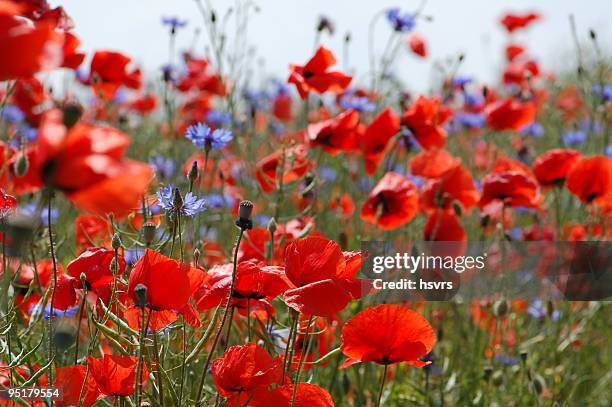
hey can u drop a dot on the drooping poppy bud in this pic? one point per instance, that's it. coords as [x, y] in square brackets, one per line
[141, 295]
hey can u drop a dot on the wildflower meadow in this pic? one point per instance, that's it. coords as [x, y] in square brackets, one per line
[196, 234]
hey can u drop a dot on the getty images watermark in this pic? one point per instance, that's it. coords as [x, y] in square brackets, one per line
[580, 271]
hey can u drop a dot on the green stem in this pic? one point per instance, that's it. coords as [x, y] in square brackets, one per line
[305, 349]
[52, 303]
[382, 385]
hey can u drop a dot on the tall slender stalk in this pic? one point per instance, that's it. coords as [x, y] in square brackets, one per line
[382, 385]
[52, 303]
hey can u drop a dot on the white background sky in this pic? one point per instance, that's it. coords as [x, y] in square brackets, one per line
[283, 30]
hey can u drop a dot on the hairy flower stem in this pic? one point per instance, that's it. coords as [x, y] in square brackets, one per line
[290, 338]
[160, 380]
[223, 320]
[144, 326]
[52, 303]
[305, 349]
[382, 385]
[78, 331]
[182, 385]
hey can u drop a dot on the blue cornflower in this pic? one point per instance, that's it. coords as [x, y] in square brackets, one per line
[470, 120]
[473, 99]
[400, 22]
[461, 81]
[277, 128]
[31, 210]
[257, 100]
[358, 103]
[506, 360]
[219, 201]
[164, 167]
[327, 173]
[574, 138]
[418, 181]
[534, 129]
[603, 91]
[203, 137]
[537, 309]
[218, 119]
[609, 150]
[36, 309]
[191, 205]
[174, 23]
[12, 114]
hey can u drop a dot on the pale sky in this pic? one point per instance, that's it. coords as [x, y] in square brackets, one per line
[283, 31]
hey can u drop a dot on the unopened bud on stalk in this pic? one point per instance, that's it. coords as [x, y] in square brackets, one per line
[592, 34]
[538, 384]
[487, 371]
[347, 37]
[83, 281]
[524, 355]
[21, 165]
[177, 200]
[148, 232]
[141, 295]
[245, 211]
[272, 225]
[498, 378]
[500, 308]
[72, 113]
[116, 241]
[114, 266]
[193, 172]
[196, 255]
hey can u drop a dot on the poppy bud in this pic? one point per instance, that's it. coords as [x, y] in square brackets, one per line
[116, 241]
[524, 356]
[114, 266]
[244, 215]
[497, 378]
[457, 208]
[538, 384]
[500, 308]
[550, 308]
[196, 255]
[141, 295]
[22, 165]
[592, 34]
[63, 338]
[487, 370]
[148, 232]
[272, 225]
[213, 17]
[485, 92]
[83, 278]
[193, 172]
[72, 113]
[484, 221]
[177, 201]
[325, 24]
[347, 37]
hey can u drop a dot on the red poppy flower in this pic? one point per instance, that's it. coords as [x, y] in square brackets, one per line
[519, 71]
[324, 276]
[444, 226]
[144, 104]
[432, 163]
[393, 202]
[253, 282]
[570, 102]
[376, 138]
[28, 47]
[511, 188]
[425, 119]
[513, 22]
[115, 375]
[65, 294]
[30, 97]
[590, 179]
[169, 285]
[95, 265]
[295, 166]
[344, 203]
[416, 42]
[72, 58]
[200, 76]
[91, 230]
[8, 203]
[86, 163]
[513, 51]
[108, 72]
[505, 164]
[281, 108]
[553, 166]
[306, 395]
[335, 135]
[387, 334]
[317, 75]
[510, 114]
[245, 369]
[73, 379]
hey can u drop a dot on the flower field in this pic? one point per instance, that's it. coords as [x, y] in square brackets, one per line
[186, 235]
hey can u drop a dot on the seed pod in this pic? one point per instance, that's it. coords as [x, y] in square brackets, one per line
[148, 232]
